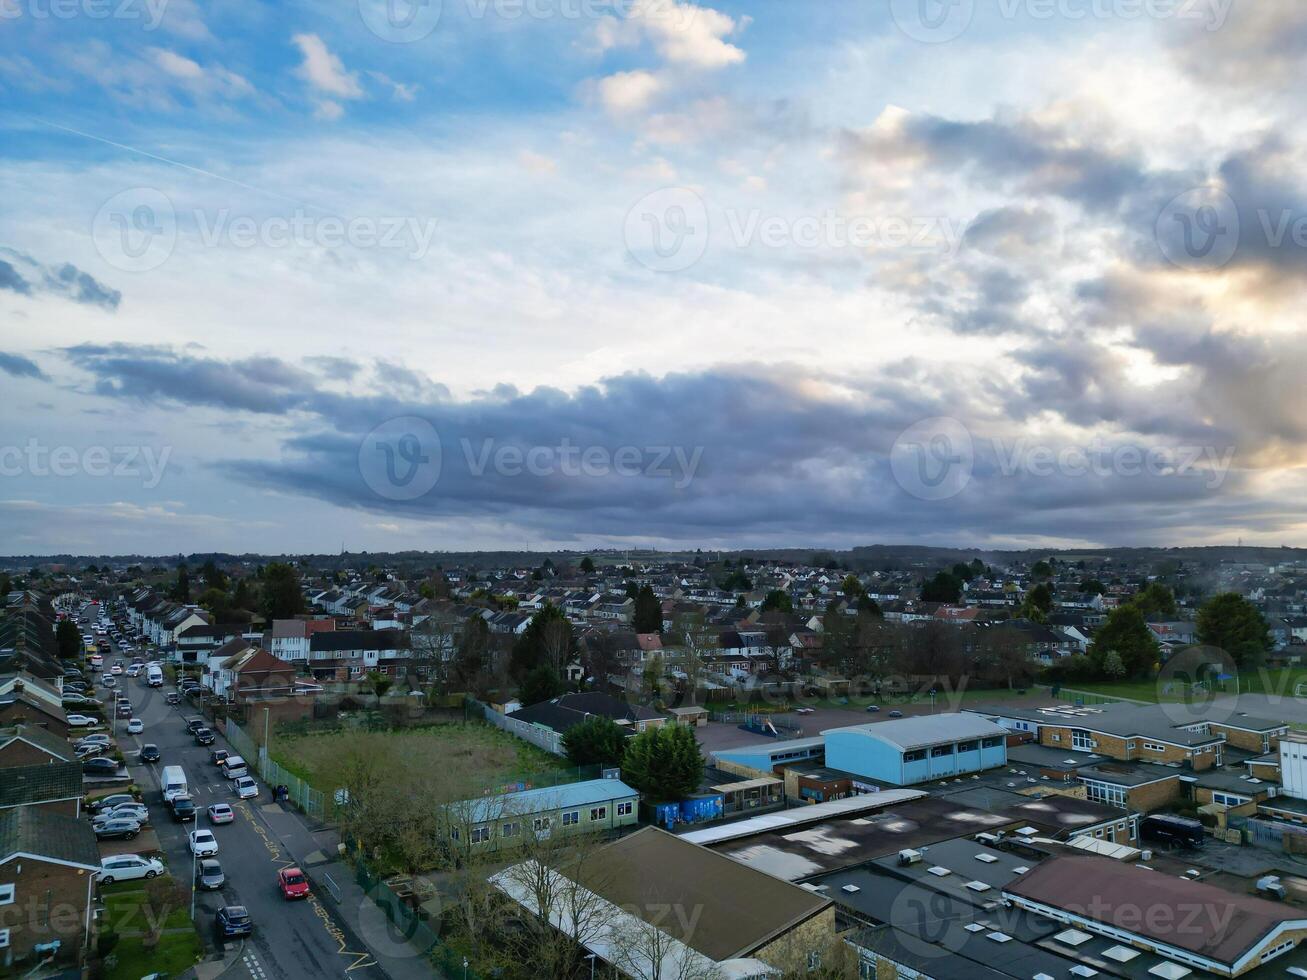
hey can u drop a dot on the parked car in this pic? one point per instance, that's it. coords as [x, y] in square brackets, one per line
[135, 811]
[183, 808]
[81, 721]
[135, 726]
[209, 876]
[193, 725]
[221, 813]
[246, 788]
[202, 843]
[116, 828]
[219, 756]
[205, 736]
[127, 867]
[89, 749]
[292, 884]
[172, 697]
[149, 752]
[100, 767]
[96, 738]
[232, 921]
[109, 802]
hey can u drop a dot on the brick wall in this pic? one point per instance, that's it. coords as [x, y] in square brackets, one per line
[20, 753]
[50, 902]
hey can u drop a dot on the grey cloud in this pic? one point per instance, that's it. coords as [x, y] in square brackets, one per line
[1261, 45]
[1012, 231]
[20, 367]
[23, 274]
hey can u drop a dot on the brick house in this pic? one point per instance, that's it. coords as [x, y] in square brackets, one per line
[31, 745]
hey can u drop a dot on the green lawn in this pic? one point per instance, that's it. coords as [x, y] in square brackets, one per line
[1280, 681]
[472, 748]
[127, 914]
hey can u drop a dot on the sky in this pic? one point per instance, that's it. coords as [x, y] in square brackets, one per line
[511, 274]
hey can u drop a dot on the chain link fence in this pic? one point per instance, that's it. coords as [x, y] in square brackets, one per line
[309, 800]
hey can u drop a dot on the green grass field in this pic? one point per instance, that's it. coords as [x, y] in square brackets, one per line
[126, 913]
[472, 748]
[1281, 682]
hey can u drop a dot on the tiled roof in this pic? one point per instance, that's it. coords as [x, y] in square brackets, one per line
[27, 830]
[20, 785]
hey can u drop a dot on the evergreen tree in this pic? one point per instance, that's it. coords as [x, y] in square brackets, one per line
[181, 590]
[664, 764]
[541, 684]
[597, 741]
[1232, 623]
[648, 612]
[282, 598]
[1126, 634]
[777, 599]
[68, 639]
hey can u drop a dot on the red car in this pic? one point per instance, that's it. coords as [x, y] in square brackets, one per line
[292, 884]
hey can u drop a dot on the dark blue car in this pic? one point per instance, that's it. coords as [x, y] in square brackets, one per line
[232, 921]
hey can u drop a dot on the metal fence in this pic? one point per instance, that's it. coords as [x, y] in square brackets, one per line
[410, 925]
[311, 801]
[542, 738]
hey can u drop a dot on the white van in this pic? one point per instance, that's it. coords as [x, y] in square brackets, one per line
[233, 767]
[154, 677]
[173, 782]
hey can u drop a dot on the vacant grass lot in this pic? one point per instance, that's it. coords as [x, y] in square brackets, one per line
[475, 747]
[126, 912]
[1282, 682]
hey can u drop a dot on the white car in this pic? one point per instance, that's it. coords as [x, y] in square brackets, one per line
[135, 726]
[81, 721]
[203, 843]
[246, 788]
[116, 669]
[125, 867]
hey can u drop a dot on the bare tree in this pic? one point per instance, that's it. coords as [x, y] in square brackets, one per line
[434, 643]
[643, 946]
[695, 638]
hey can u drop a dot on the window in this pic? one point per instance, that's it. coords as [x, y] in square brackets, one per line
[624, 809]
[4, 938]
[1154, 747]
[599, 813]
[968, 746]
[916, 755]
[1229, 799]
[541, 823]
[1081, 739]
[453, 834]
[571, 817]
[6, 894]
[480, 835]
[941, 750]
[992, 743]
[1105, 793]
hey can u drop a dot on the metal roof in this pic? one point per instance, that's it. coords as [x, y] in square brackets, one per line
[924, 731]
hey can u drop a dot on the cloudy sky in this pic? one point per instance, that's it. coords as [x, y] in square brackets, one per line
[572, 273]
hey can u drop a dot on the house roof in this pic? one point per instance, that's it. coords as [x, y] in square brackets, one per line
[923, 731]
[547, 798]
[740, 909]
[23, 785]
[563, 712]
[42, 834]
[339, 641]
[38, 737]
[1106, 891]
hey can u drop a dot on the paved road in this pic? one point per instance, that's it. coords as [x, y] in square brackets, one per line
[291, 940]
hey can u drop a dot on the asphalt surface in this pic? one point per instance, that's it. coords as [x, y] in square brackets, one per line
[291, 939]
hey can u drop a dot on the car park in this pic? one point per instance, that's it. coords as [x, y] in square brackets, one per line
[116, 828]
[232, 921]
[292, 884]
[135, 726]
[81, 721]
[209, 876]
[150, 752]
[205, 736]
[101, 767]
[246, 788]
[128, 867]
[220, 813]
[202, 843]
[183, 809]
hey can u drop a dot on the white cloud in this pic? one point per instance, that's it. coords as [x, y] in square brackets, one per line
[628, 91]
[323, 71]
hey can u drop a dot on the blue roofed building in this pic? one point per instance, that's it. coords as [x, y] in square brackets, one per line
[905, 751]
[593, 805]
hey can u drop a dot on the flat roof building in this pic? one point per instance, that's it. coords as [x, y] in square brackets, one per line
[905, 751]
